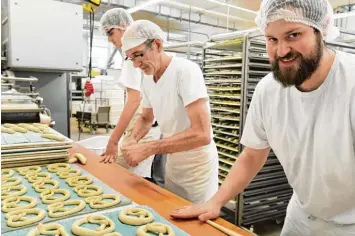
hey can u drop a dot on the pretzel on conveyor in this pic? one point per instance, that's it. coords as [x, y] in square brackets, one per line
[156, 228]
[68, 173]
[88, 190]
[53, 229]
[37, 177]
[129, 216]
[107, 226]
[58, 209]
[13, 203]
[12, 181]
[98, 202]
[48, 197]
[6, 191]
[28, 169]
[7, 173]
[19, 219]
[57, 167]
[79, 180]
[40, 186]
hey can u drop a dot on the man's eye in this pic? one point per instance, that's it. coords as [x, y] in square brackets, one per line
[293, 35]
[271, 40]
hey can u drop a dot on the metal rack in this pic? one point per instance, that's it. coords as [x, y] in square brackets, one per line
[189, 50]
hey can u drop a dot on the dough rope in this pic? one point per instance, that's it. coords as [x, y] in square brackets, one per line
[98, 202]
[8, 125]
[135, 216]
[57, 167]
[13, 203]
[68, 173]
[7, 130]
[47, 196]
[12, 181]
[6, 191]
[58, 209]
[106, 227]
[19, 219]
[29, 127]
[53, 229]
[78, 157]
[156, 228]
[79, 180]
[88, 190]
[38, 177]
[40, 186]
[7, 173]
[28, 169]
[53, 137]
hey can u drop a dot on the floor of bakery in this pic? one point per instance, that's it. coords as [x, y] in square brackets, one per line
[267, 228]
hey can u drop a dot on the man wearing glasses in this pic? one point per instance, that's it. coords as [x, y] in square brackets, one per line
[175, 94]
[114, 22]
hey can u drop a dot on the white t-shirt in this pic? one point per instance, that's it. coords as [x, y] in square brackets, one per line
[313, 136]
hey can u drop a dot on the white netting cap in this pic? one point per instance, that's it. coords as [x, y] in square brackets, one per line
[139, 32]
[315, 13]
[116, 18]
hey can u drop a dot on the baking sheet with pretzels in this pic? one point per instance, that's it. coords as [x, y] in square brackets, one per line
[73, 196]
[124, 229]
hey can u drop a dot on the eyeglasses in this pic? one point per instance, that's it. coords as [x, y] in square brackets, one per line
[109, 32]
[139, 56]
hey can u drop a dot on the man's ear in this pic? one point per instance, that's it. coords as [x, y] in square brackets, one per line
[159, 44]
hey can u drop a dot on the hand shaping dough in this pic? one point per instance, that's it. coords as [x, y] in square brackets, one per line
[47, 196]
[7, 173]
[106, 226]
[6, 191]
[78, 157]
[57, 167]
[48, 229]
[18, 219]
[156, 228]
[38, 177]
[13, 181]
[13, 203]
[40, 186]
[58, 209]
[30, 127]
[98, 202]
[88, 190]
[53, 137]
[7, 130]
[68, 173]
[79, 180]
[26, 170]
[135, 216]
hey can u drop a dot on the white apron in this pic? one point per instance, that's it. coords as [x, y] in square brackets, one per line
[193, 175]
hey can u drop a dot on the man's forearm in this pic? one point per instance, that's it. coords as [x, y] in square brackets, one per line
[244, 170]
[141, 128]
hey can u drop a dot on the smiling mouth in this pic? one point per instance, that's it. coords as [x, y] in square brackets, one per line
[288, 60]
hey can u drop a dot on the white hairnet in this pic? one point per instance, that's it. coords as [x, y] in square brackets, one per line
[139, 32]
[315, 13]
[116, 18]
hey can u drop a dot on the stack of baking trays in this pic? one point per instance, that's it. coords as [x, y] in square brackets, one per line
[28, 144]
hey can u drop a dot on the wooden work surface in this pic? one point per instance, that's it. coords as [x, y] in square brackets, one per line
[146, 193]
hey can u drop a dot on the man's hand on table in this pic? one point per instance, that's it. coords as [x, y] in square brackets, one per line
[204, 211]
[110, 154]
[136, 153]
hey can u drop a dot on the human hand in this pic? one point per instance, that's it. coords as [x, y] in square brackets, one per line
[134, 154]
[110, 154]
[204, 211]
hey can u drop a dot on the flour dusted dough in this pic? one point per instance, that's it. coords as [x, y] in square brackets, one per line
[7, 130]
[68, 173]
[48, 197]
[19, 219]
[53, 137]
[13, 203]
[58, 167]
[6, 191]
[107, 226]
[135, 216]
[88, 190]
[156, 228]
[30, 127]
[28, 169]
[12, 181]
[80, 157]
[48, 229]
[38, 177]
[79, 180]
[7, 173]
[19, 129]
[58, 209]
[40, 186]
[98, 202]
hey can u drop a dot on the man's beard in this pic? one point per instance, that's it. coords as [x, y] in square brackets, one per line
[295, 76]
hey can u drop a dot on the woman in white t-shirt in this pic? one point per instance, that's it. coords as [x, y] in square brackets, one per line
[114, 22]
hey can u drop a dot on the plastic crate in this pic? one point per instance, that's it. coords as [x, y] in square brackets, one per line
[97, 144]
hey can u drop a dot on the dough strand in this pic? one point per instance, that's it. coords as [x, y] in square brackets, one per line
[135, 216]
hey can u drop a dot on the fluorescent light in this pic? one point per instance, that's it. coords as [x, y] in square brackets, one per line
[144, 5]
[343, 15]
[232, 6]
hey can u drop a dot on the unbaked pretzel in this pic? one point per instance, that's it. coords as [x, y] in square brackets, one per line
[12, 181]
[79, 180]
[156, 228]
[68, 173]
[37, 177]
[47, 196]
[7, 173]
[28, 169]
[12, 203]
[98, 202]
[135, 216]
[6, 191]
[48, 229]
[88, 190]
[18, 219]
[40, 186]
[57, 167]
[107, 226]
[58, 209]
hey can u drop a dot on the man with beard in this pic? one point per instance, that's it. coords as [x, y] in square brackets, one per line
[305, 111]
